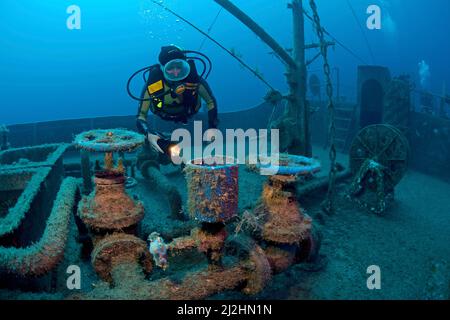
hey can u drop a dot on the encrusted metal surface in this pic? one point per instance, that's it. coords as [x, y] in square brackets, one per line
[31, 181]
[119, 249]
[385, 145]
[284, 222]
[259, 272]
[43, 256]
[378, 159]
[113, 140]
[32, 157]
[212, 191]
[109, 207]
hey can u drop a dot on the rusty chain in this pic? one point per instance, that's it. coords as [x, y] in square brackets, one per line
[328, 205]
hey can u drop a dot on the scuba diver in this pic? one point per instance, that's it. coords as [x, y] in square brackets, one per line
[174, 91]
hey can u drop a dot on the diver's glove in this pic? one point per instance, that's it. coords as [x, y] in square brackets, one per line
[154, 139]
[152, 136]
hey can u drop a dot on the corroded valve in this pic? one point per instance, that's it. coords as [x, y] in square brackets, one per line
[109, 212]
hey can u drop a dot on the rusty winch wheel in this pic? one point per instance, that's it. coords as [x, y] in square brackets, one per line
[385, 145]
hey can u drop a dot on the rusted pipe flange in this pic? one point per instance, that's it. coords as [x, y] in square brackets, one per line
[259, 272]
[118, 249]
[113, 140]
[280, 258]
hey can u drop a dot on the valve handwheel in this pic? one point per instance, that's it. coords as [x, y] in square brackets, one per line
[114, 140]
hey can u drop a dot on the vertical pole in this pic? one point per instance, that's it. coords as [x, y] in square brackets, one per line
[86, 172]
[297, 81]
[109, 161]
[124, 162]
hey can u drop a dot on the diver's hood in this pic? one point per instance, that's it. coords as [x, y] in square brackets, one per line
[169, 53]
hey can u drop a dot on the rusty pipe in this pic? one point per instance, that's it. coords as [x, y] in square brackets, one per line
[129, 281]
[320, 183]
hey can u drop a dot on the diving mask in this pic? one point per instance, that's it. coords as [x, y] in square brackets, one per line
[177, 70]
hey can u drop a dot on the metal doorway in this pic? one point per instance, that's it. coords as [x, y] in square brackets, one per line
[371, 103]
